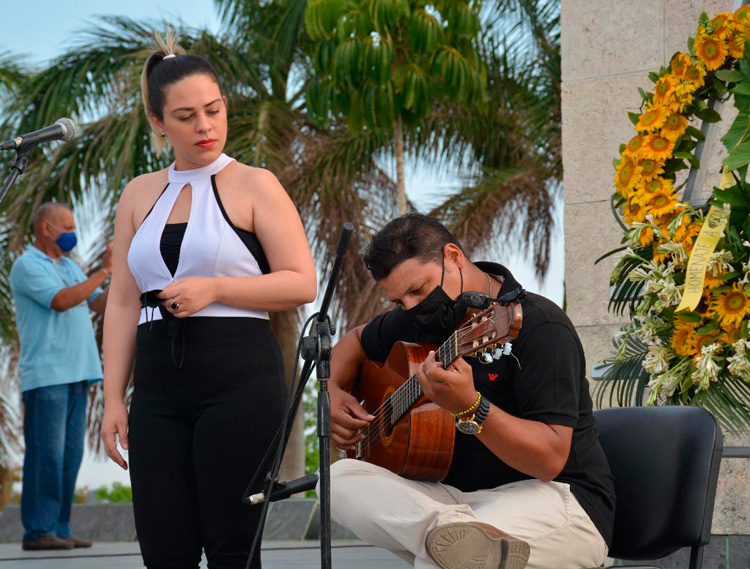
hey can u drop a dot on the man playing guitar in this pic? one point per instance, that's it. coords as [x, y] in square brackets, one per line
[528, 484]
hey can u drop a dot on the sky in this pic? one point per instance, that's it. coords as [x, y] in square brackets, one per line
[42, 29]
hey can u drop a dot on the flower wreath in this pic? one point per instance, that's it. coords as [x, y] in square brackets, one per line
[686, 351]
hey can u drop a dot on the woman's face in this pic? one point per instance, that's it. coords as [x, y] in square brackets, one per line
[195, 121]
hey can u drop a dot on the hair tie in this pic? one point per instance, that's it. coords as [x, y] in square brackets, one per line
[169, 55]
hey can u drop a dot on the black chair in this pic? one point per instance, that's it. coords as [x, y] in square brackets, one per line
[666, 464]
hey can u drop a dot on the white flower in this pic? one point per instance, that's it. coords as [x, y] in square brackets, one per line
[669, 295]
[707, 368]
[676, 250]
[657, 359]
[746, 269]
[719, 262]
[651, 327]
[663, 385]
[739, 364]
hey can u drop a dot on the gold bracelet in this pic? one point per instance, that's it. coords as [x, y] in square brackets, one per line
[470, 409]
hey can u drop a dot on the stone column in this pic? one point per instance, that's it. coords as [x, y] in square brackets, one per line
[608, 49]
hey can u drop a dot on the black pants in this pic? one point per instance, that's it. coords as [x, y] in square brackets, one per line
[197, 435]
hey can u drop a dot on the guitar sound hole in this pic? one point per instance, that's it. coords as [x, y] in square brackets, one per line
[387, 429]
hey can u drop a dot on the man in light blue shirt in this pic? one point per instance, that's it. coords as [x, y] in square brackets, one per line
[59, 359]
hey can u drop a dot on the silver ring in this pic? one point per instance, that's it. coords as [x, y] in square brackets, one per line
[174, 305]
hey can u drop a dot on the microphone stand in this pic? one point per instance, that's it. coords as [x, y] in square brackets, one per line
[16, 169]
[315, 349]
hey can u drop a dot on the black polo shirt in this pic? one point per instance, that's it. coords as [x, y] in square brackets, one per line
[546, 383]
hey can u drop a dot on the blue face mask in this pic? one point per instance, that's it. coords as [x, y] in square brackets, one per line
[66, 241]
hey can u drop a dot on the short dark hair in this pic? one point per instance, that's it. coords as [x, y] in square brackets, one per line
[411, 236]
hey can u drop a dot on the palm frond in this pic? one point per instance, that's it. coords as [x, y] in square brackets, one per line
[500, 203]
[624, 382]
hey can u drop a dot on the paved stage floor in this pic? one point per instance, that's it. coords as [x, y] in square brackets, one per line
[276, 555]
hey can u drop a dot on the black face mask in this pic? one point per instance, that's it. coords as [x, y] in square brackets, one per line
[438, 312]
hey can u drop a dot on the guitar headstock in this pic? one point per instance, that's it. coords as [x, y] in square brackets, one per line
[498, 324]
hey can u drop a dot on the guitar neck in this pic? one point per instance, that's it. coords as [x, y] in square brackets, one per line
[409, 393]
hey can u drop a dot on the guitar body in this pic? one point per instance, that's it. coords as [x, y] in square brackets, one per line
[410, 435]
[420, 445]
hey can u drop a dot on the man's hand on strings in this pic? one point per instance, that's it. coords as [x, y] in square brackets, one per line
[347, 418]
[452, 388]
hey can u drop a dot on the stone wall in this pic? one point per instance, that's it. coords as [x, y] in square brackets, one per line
[608, 49]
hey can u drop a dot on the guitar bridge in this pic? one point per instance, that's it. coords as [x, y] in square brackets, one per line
[358, 452]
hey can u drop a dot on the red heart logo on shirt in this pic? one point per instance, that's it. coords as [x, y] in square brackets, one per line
[492, 376]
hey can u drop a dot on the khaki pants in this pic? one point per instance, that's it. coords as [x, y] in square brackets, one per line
[392, 512]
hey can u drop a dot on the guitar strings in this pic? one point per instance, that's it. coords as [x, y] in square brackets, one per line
[410, 390]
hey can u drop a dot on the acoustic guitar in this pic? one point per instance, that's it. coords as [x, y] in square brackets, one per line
[410, 435]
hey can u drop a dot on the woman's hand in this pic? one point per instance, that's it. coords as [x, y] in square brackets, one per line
[114, 425]
[190, 295]
[453, 388]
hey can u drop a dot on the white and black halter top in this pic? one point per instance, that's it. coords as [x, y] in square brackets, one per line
[211, 247]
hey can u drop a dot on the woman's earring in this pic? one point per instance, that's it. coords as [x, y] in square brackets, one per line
[164, 135]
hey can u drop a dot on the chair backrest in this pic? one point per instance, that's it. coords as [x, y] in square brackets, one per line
[666, 464]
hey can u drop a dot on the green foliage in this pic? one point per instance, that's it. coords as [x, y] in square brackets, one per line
[117, 494]
[377, 61]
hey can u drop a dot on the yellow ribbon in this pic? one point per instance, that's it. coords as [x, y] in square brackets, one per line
[708, 238]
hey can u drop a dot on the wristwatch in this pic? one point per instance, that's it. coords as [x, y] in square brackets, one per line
[473, 424]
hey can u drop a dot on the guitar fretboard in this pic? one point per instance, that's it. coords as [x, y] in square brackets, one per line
[410, 391]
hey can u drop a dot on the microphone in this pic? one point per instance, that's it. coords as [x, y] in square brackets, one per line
[64, 129]
[285, 489]
[476, 300]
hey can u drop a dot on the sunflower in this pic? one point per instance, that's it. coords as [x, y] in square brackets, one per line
[680, 340]
[647, 189]
[650, 168]
[732, 306]
[702, 341]
[646, 236]
[742, 19]
[633, 212]
[664, 90]
[736, 43]
[710, 50]
[627, 175]
[634, 146]
[652, 119]
[731, 334]
[681, 230]
[661, 204]
[704, 304]
[721, 25]
[657, 147]
[712, 281]
[696, 74]
[674, 127]
[680, 63]
[691, 233]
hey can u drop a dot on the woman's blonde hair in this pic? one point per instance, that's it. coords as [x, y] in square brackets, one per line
[166, 65]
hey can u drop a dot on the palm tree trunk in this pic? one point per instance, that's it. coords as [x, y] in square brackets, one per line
[398, 133]
[285, 326]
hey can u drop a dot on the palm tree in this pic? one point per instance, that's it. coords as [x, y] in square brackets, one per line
[332, 172]
[385, 64]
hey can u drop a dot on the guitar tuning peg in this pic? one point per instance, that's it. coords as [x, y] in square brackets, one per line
[503, 350]
[485, 358]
